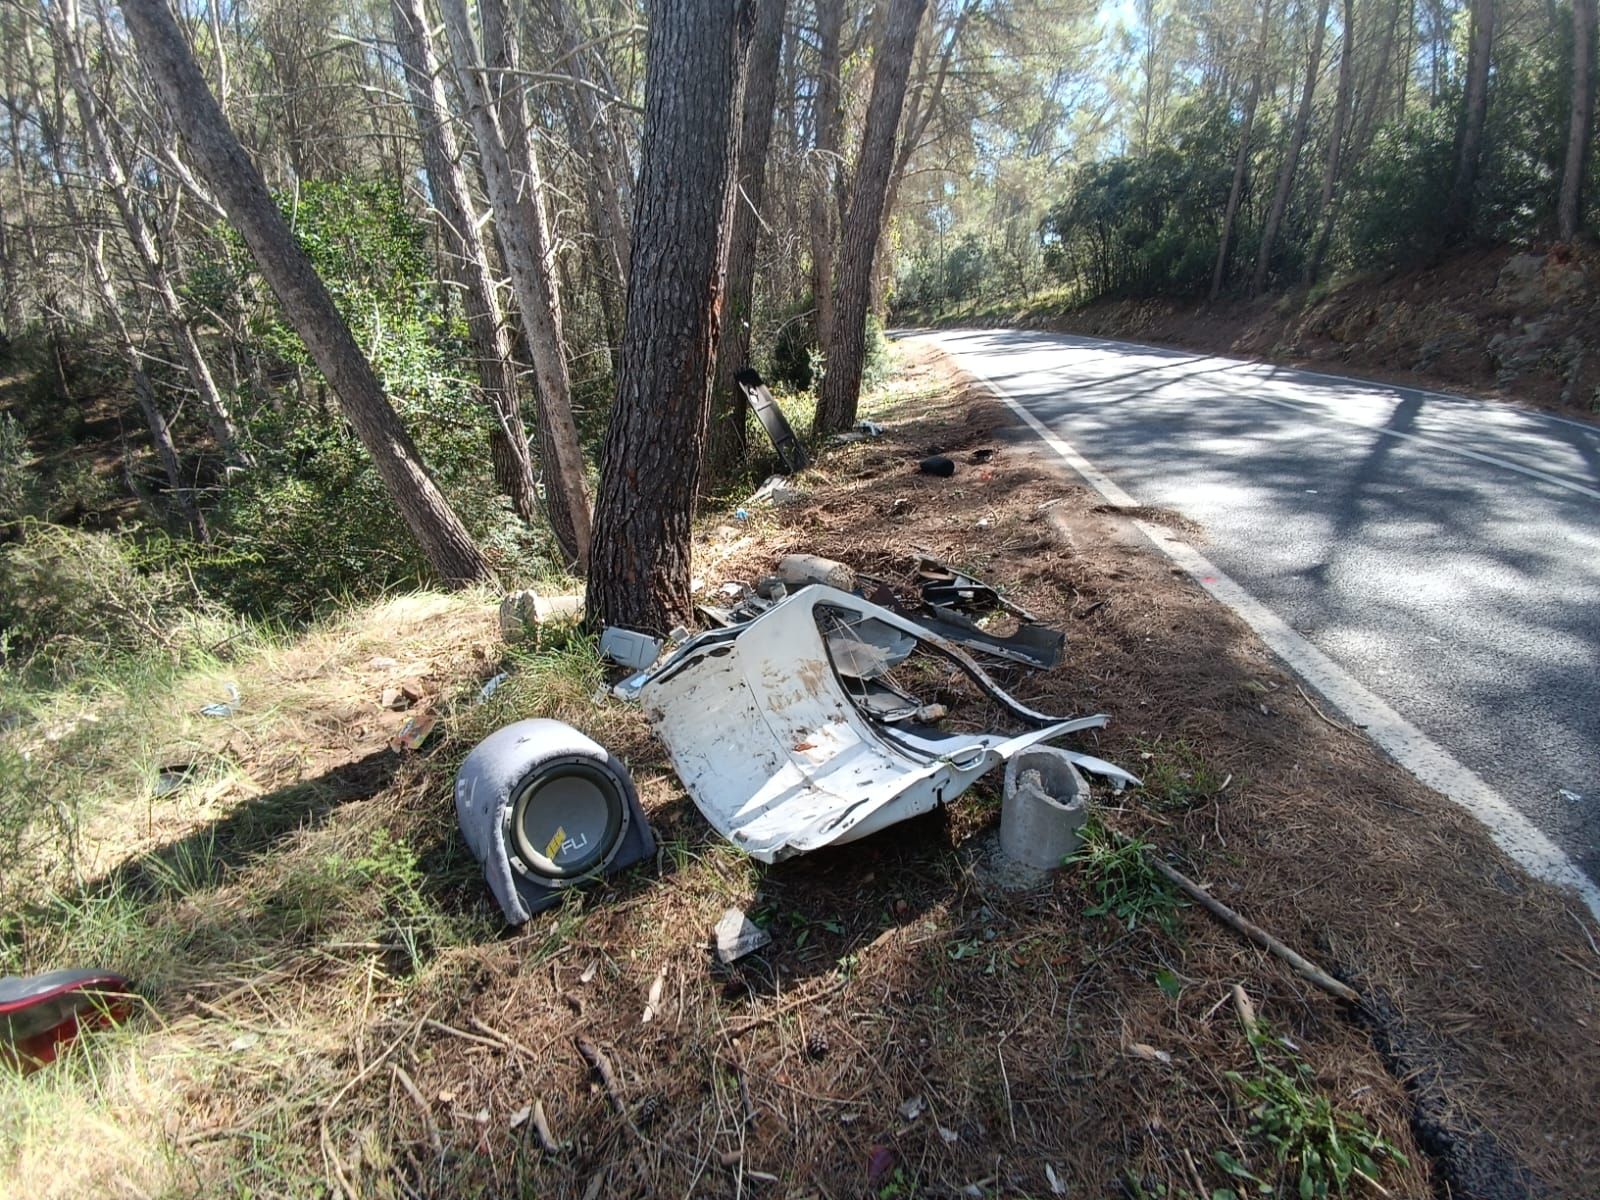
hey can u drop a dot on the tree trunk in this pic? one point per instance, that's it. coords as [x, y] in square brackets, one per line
[467, 259]
[1474, 112]
[510, 171]
[825, 165]
[1569, 210]
[607, 170]
[1328, 201]
[725, 437]
[305, 300]
[65, 19]
[650, 466]
[841, 381]
[1241, 160]
[1291, 156]
[145, 395]
[11, 315]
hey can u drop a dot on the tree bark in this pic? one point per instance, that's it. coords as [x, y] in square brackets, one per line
[725, 437]
[841, 381]
[467, 259]
[1474, 113]
[825, 165]
[1328, 200]
[1241, 160]
[145, 395]
[65, 19]
[510, 170]
[1580, 129]
[243, 194]
[650, 466]
[1291, 155]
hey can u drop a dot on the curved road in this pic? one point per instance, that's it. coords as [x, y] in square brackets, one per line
[1444, 552]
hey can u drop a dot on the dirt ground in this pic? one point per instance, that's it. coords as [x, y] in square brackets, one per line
[913, 1029]
[1014, 1031]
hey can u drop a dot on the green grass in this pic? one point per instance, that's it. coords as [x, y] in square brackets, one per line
[1177, 777]
[1121, 882]
[1322, 1149]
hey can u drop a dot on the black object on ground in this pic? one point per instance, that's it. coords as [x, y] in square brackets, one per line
[790, 450]
[545, 808]
[937, 464]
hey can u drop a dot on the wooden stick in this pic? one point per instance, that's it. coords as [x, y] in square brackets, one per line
[541, 1125]
[597, 1059]
[1246, 1010]
[417, 1098]
[1303, 967]
[464, 1035]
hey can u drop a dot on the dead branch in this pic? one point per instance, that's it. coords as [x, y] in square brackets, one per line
[1302, 966]
[597, 1059]
[435, 1143]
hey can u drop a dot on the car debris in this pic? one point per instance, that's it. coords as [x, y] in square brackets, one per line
[40, 1014]
[628, 647]
[777, 491]
[937, 464]
[737, 935]
[221, 711]
[545, 808]
[784, 751]
[945, 587]
[414, 732]
[791, 451]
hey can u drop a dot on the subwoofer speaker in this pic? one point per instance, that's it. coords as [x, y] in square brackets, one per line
[545, 808]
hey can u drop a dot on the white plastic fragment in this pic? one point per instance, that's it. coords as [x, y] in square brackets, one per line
[629, 647]
[737, 935]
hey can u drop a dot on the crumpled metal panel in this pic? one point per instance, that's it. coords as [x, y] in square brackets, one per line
[774, 753]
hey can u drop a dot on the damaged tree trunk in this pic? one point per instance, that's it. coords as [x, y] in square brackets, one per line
[306, 303]
[846, 349]
[468, 260]
[510, 170]
[725, 436]
[650, 466]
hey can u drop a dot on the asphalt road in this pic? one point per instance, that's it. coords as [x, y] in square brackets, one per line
[1444, 552]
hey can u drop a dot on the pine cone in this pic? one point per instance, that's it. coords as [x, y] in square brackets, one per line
[817, 1045]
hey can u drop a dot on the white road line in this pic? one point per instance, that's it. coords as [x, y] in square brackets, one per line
[1405, 743]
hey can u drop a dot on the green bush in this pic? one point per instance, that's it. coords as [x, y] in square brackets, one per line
[72, 601]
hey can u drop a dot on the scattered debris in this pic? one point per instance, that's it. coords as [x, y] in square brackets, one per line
[629, 647]
[173, 777]
[1058, 1186]
[978, 457]
[735, 705]
[776, 491]
[521, 609]
[545, 808]
[943, 586]
[414, 732]
[937, 465]
[221, 711]
[1569, 796]
[912, 1109]
[40, 1014]
[1036, 646]
[492, 685]
[790, 450]
[871, 428]
[737, 935]
[397, 699]
[799, 570]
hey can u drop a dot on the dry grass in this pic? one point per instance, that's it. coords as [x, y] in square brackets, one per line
[335, 1010]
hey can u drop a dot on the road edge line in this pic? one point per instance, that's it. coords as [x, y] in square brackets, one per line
[1429, 762]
